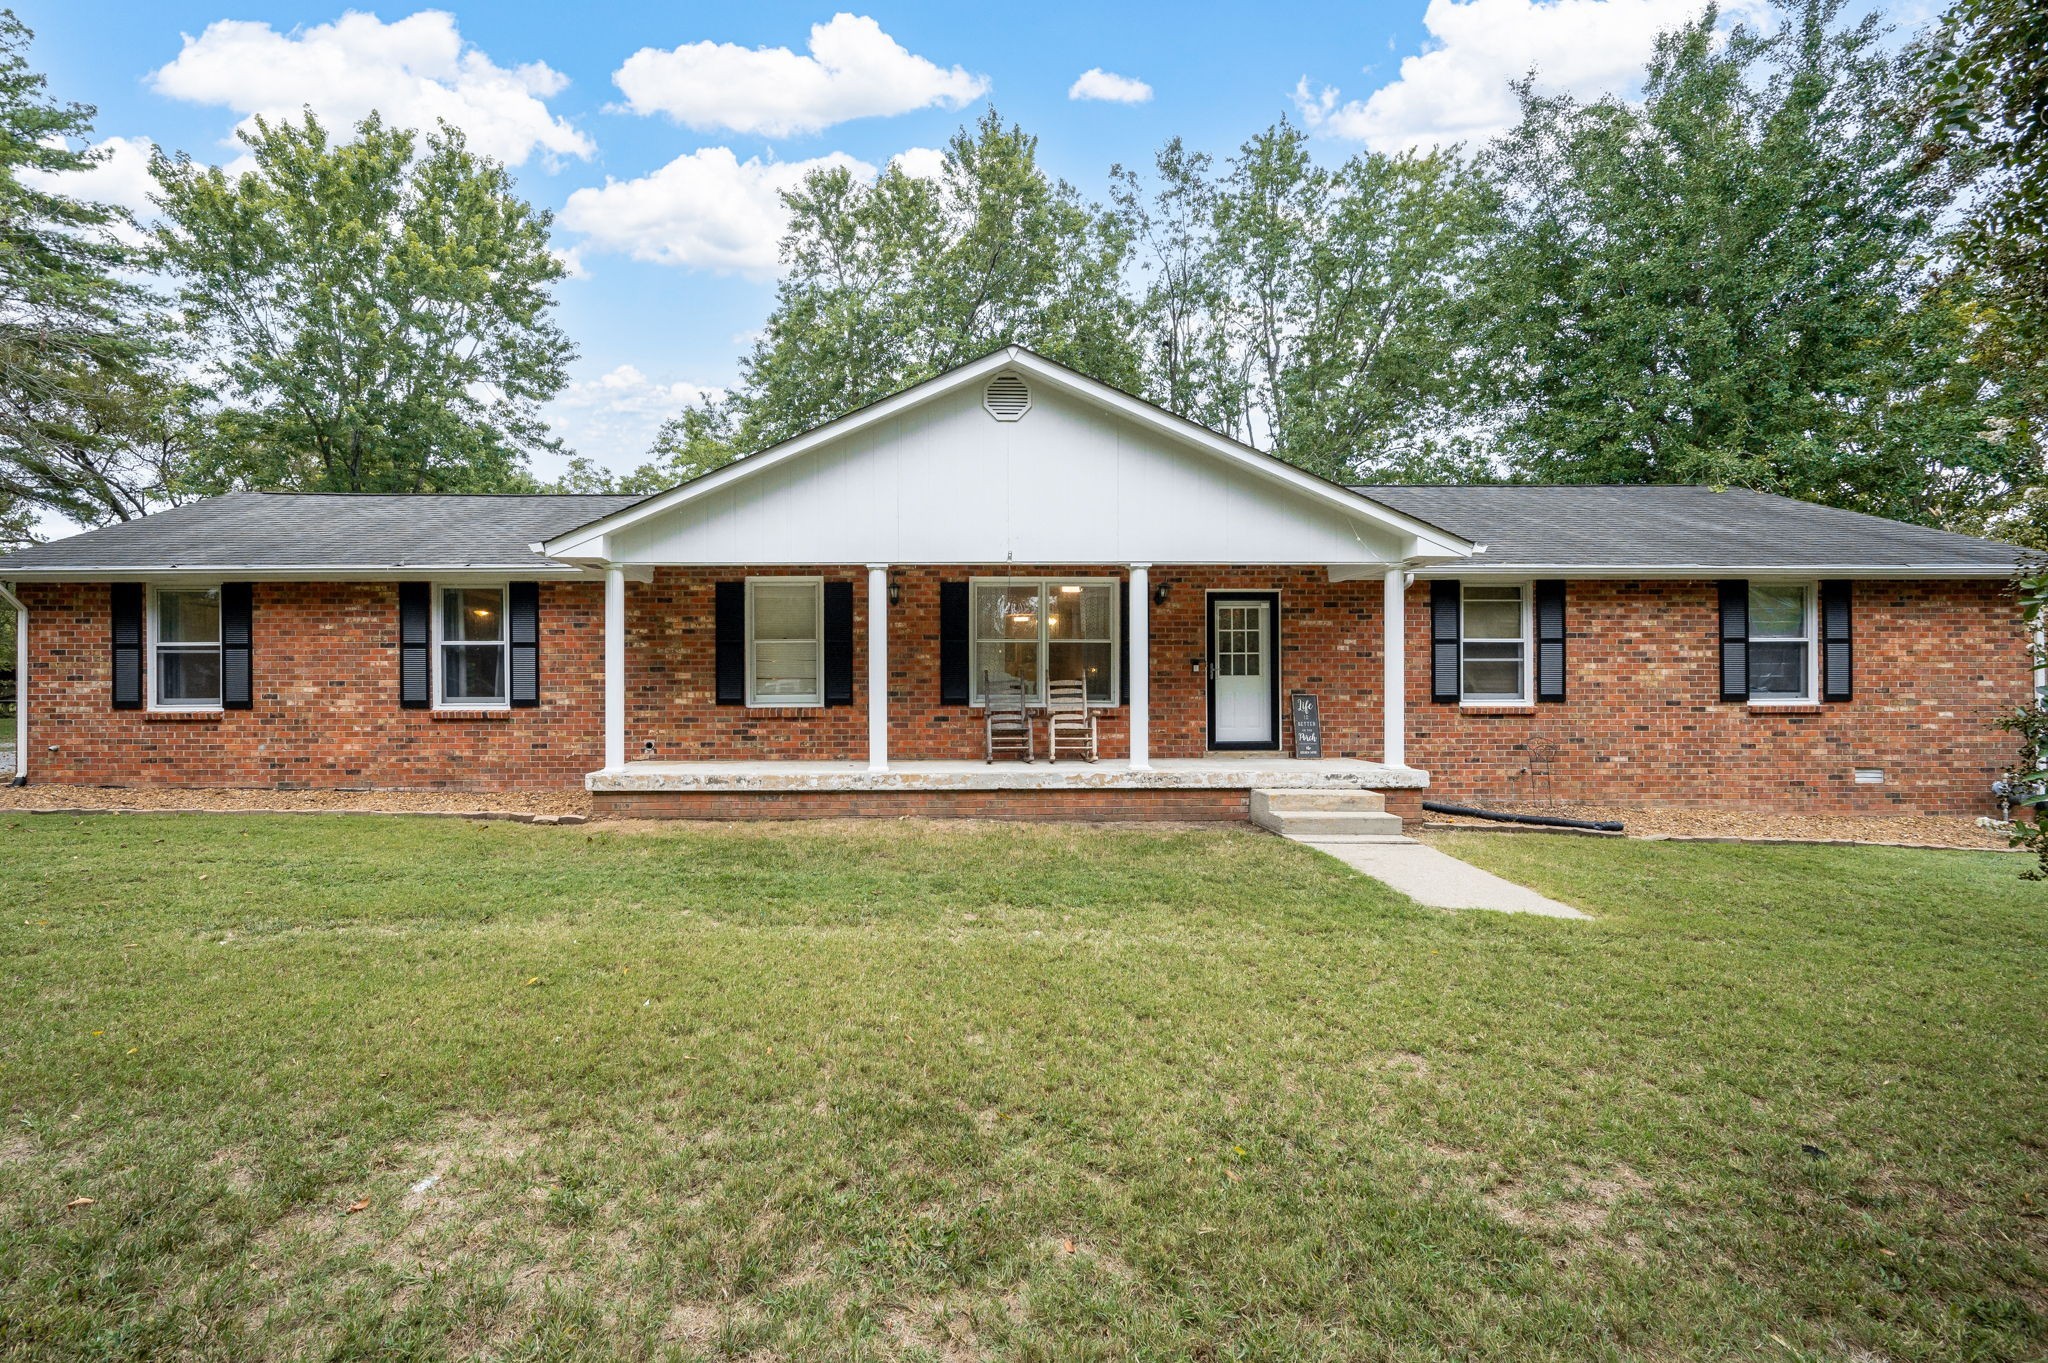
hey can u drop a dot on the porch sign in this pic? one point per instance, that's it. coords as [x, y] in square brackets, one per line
[1308, 723]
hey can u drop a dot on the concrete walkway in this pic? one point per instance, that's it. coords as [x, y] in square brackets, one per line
[1430, 877]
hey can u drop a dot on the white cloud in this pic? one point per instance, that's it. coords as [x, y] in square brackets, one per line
[706, 209]
[571, 261]
[414, 70]
[612, 419]
[854, 70]
[120, 177]
[1096, 83]
[626, 389]
[1458, 90]
[920, 163]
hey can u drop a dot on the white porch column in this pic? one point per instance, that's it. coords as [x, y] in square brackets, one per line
[614, 667]
[878, 667]
[1394, 682]
[19, 776]
[1140, 666]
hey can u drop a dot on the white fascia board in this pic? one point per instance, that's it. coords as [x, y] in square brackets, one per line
[583, 544]
[1697, 571]
[1416, 562]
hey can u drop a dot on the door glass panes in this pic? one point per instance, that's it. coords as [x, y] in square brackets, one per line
[1240, 642]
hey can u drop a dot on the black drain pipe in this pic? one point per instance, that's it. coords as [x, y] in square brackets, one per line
[1540, 820]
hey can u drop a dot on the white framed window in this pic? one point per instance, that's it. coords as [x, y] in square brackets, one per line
[1493, 644]
[785, 641]
[470, 663]
[1037, 630]
[1781, 644]
[184, 648]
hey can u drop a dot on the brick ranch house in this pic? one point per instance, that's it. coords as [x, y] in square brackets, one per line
[809, 631]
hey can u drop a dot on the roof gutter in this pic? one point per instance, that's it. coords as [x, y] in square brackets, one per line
[310, 572]
[20, 683]
[1707, 571]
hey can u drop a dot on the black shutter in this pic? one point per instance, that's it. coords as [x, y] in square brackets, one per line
[125, 601]
[1550, 641]
[1443, 641]
[237, 609]
[415, 645]
[1735, 639]
[522, 631]
[839, 643]
[1837, 651]
[729, 642]
[1123, 643]
[955, 623]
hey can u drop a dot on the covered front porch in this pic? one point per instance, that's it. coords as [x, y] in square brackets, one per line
[821, 625]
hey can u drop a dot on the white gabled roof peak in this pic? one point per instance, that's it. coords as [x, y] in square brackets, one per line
[585, 541]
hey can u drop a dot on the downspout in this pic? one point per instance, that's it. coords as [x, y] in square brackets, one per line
[20, 683]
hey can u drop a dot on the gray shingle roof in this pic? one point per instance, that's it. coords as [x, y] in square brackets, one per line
[1675, 529]
[278, 532]
[1590, 529]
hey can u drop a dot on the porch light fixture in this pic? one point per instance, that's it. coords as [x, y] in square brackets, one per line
[895, 592]
[1159, 595]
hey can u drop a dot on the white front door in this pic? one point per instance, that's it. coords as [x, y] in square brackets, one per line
[1241, 678]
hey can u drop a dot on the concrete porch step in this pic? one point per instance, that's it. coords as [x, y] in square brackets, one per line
[1324, 814]
[1323, 801]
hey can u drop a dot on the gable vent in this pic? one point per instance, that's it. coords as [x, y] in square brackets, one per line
[1006, 397]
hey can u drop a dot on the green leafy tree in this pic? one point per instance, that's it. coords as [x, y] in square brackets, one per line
[1739, 281]
[1983, 75]
[2026, 780]
[1314, 311]
[376, 314]
[892, 282]
[1183, 313]
[1351, 297]
[85, 410]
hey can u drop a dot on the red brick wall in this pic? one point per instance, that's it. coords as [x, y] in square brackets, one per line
[326, 714]
[1089, 806]
[1936, 664]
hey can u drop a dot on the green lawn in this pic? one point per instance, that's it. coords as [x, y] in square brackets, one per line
[1039, 1093]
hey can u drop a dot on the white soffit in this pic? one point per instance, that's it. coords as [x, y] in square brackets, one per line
[1082, 474]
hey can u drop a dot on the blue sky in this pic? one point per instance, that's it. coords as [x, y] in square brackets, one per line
[659, 133]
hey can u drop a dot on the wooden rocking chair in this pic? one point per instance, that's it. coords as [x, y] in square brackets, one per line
[1007, 717]
[1069, 719]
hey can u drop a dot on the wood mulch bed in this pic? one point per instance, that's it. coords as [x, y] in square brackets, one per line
[1673, 821]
